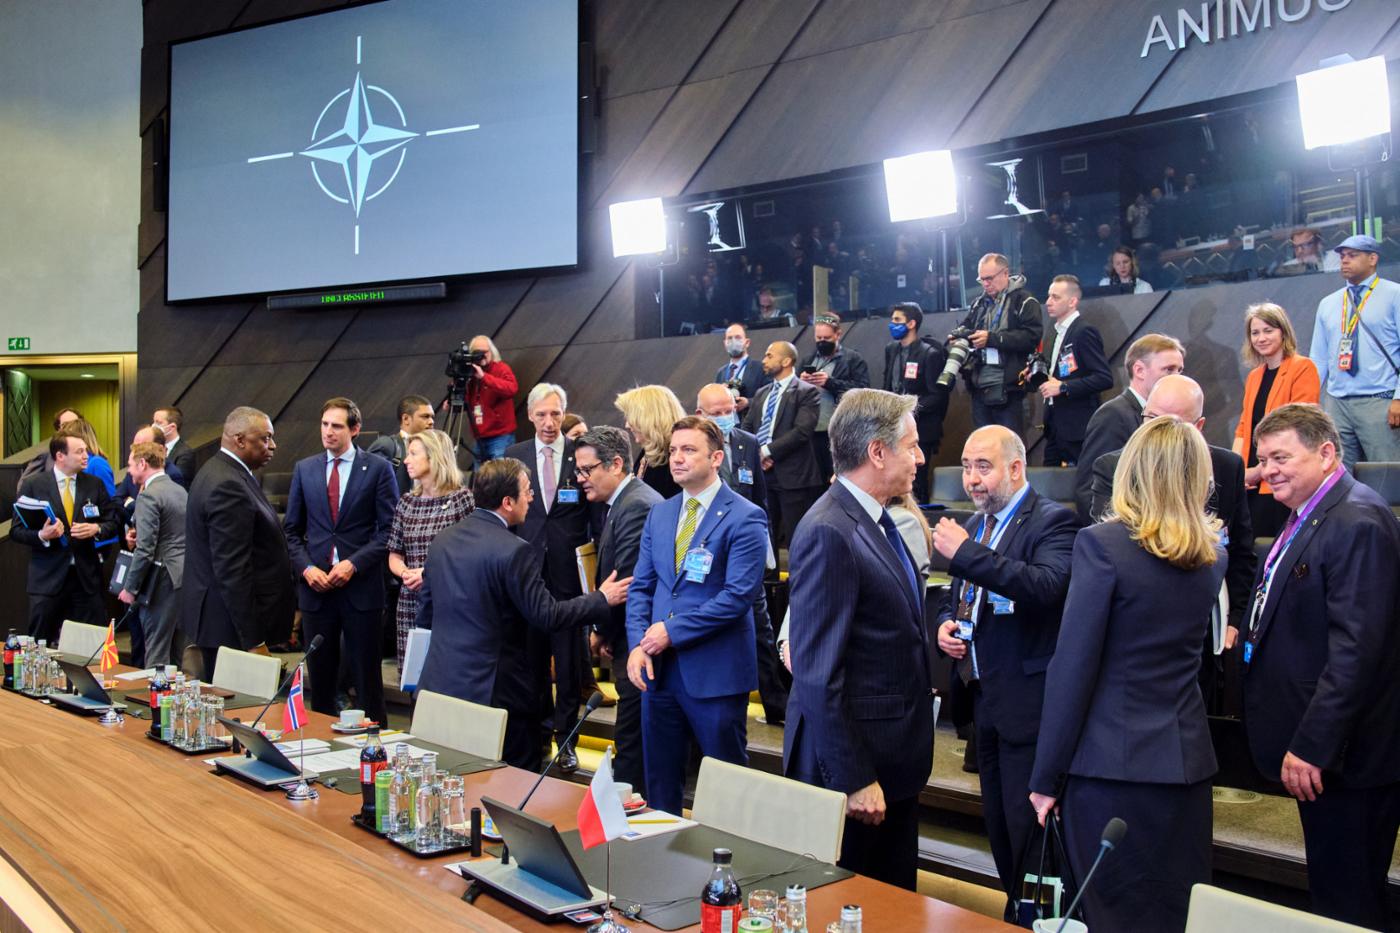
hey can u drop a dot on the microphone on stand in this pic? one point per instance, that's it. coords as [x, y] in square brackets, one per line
[1112, 835]
[315, 643]
[120, 622]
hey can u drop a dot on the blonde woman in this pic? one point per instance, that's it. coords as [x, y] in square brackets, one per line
[1280, 375]
[1125, 729]
[438, 500]
[650, 411]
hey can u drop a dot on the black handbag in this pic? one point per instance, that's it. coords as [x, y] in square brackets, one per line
[1045, 894]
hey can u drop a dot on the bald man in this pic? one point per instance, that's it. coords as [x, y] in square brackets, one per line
[783, 416]
[1181, 398]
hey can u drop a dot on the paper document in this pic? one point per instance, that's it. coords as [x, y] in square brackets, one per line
[294, 748]
[654, 823]
[1219, 619]
[415, 652]
[138, 675]
[587, 555]
[342, 759]
[389, 738]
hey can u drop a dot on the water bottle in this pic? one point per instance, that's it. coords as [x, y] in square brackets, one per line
[429, 820]
[720, 900]
[850, 918]
[796, 908]
[401, 804]
[21, 662]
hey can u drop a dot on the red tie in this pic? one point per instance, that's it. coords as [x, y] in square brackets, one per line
[333, 490]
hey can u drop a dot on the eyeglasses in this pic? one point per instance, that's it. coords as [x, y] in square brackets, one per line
[583, 472]
[989, 279]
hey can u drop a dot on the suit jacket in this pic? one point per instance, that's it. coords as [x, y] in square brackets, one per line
[848, 371]
[481, 593]
[238, 579]
[1123, 683]
[181, 458]
[1295, 381]
[48, 565]
[160, 534]
[394, 448]
[1322, 681]
[794, 423]
[929, 358]
[710, 622]
[861, 706]
[1030, 567]
[1067, 415]
[753, 378]
[1227, 502]
[555, 535]
[1109, 429]
[1019, 332]
[618, 546]
[360, 533]
[743, 448]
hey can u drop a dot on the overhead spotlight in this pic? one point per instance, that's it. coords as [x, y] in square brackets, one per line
[1343, 103]
[638, 227]
[921, 185]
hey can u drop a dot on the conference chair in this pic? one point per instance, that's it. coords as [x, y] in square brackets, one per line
[80, 639]
[1384, 477]
[769, 809]
[1213, 909]
[1054, 483]
[245, 672]
[468, 727]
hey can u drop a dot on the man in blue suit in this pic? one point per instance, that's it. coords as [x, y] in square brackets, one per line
[339, 511]
[860, 717]
[690, 615]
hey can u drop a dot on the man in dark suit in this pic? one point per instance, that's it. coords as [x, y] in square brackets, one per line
[482, 593]
[158, 558]
[784, 417]
[741, 374]
[860, 719]
[1181, 398]
[1078, 373]
[238, 579]
[1321, 699]
[339, 511]
[415, 416]
[912, 367]
[556, 525]
[603, 458]
[834, 369]
[1148, 359]
[179, 455]
[65, 569]
[1000, 619]
[689, 615]
[43, 462]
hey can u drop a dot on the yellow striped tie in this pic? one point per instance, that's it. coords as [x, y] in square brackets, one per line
[692, 515]
[68, 499]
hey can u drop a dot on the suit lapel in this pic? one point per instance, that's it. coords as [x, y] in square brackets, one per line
[879, 544]
[714, 516]
[1017, 519]
[1289, 561]
[357, 467]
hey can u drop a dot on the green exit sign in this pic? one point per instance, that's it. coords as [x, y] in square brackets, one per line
[18, 343]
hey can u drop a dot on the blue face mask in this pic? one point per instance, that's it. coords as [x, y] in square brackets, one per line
[899, 331]
[727, 422]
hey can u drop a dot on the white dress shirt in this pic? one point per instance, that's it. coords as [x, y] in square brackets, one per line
[706, 498]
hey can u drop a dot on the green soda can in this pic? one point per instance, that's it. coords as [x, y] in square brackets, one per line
[382, 781]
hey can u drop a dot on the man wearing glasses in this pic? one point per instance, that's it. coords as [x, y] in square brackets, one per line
[1006, 325]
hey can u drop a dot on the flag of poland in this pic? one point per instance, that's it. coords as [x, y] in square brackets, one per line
[600, 814]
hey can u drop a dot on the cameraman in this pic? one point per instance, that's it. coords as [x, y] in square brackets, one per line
[1006, 325]
[912, 367]
[491, 392]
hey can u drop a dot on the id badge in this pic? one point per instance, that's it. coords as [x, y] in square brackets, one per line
[90, 511]
[697, 564]
[993, 356]
[1345, 357]
[1001, 606]
[964, 632]
[1067, 364]
[478, 416]
[569, 495]
[911, 370]
[1248, 651]
[745, 476]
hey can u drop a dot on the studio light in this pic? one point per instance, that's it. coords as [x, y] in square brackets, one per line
[921, 185]
[638, 227]
[1344, 103]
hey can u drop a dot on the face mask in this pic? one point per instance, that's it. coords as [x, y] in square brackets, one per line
[899, 331]
[726, 423]
[826, 347]
[734, 348]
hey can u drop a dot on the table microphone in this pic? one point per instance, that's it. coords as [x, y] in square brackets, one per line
[595, 701]
[120, 622]
[1112, 835]
[315, 643]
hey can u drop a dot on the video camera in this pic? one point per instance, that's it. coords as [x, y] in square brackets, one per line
[461, 360]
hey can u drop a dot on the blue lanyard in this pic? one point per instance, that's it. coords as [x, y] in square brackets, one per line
[968, 585]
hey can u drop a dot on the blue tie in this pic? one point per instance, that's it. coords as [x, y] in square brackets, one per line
[1356, 291]
[765, 430]
[897, 543]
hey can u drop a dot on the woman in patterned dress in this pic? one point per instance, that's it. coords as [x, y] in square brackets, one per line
[438, 500]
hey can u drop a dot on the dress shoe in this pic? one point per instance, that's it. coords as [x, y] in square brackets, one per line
[568, 761]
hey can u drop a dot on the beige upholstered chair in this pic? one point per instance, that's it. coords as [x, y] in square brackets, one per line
[1214, 909]
[773, 810]
[80, 639]
[468, 727]
[245, 672]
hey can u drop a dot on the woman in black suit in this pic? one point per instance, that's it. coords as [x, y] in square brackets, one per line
[1124, 732]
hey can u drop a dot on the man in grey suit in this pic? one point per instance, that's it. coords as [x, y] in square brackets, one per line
[158, 562]
[602, 458]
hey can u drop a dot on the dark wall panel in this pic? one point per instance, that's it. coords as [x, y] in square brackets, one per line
[642, 47]
[615, 318]
[267, 386]
[756, 34]
[840, 24]
[283, 336]
[623, 123]
[429, 329]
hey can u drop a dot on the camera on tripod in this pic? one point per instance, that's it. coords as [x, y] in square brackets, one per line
[461, 360]
[959, 356]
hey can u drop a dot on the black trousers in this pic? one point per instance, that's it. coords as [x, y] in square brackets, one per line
[772, 679]
[521, 748]
[357, 631]
[1349, 836]
[568, 650]
[821, 446]
[888, 852]
[1061, 453]
[786, 508]
[1005, 771]
[47, 613]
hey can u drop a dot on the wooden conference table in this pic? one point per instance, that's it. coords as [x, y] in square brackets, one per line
[117, 832]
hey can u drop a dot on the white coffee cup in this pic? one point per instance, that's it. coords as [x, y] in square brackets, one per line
[624, 792]
[350, 718]
[1050, 926]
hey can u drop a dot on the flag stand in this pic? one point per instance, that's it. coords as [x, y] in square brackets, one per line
[301, 790]
[109, 660]
[609, 923]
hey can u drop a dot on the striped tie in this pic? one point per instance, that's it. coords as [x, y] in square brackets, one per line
[692, 516]
[765, 429]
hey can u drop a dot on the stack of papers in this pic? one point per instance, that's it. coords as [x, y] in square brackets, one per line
[389, 738]
[309, 746]
[138, 675]
[654, 823]
[343, 759]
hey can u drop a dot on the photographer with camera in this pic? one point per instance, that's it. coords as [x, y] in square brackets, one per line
[1076, 372]
[1004, 326]
[913, 367]
[489, 399]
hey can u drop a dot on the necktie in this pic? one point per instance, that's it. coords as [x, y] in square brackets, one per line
[896, 542]
[969, 596]
[333, 490]
[726, 467]
[733, 371]
[692, 518]
[1356, 291]
[67, 493]
[547, 482]
[765, 429]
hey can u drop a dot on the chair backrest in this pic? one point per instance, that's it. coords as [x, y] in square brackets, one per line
[772, 810]
[1055, 483]
[245, 672]
[1213, 909]
[947, 484]
[468, 727]
[80, 639]
[1383, 477]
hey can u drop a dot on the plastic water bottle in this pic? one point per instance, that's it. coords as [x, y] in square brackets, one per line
[796, 908]
[851, 918]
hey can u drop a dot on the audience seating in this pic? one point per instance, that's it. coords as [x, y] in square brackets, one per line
[468, 727]
[1384, 478]
[80, 639]
[771, 810]
[1055, 483]
[1214, 909]
[245, 672]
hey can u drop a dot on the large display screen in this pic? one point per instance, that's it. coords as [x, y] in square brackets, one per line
[398, 140]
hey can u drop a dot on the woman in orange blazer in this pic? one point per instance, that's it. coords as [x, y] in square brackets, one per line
[1280, 375]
